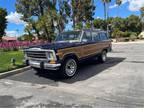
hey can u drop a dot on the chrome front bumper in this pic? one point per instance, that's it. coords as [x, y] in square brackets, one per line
[44, 65]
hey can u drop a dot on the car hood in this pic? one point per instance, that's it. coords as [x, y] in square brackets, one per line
[57, 45]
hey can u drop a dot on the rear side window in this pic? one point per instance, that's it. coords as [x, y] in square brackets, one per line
[95, 36]
[87, 37]
[104, 36]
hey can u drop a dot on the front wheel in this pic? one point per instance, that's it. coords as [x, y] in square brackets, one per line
[69, 68]
[103, 57]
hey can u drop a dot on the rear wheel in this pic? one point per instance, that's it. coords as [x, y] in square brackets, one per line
[69, 68]
[103, 57]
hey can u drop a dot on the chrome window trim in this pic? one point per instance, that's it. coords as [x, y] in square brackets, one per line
[81, 37]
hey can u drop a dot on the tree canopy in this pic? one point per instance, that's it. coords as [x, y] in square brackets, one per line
[43, 17]
[39, 14]
[3, 22]
[126, 25]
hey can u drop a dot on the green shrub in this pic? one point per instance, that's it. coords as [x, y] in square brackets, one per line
[15, 49]
[126, 34]
[133, 36]
[117, 33]
[6, 49]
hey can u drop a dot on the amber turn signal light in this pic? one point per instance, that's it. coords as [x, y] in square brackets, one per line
[52, 62]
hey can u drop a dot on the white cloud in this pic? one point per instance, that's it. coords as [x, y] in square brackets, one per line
[113, 6]
[15, 18]
[98, 17]
[11, 33]
[134, 5]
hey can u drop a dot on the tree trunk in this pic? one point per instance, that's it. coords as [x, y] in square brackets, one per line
[41, 8]
[30, 34]
[36, 30]
[107, 11]
[105, 16]
[74, 21]
[142, 26]
[0, 39]
[118, 11]
[47, 34]
[142, 20]
[59, 27]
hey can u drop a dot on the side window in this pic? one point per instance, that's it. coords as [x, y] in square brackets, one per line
[87, 37]
[95, 36]
[104, 36]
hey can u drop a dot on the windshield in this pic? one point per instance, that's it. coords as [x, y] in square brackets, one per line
[69, 36]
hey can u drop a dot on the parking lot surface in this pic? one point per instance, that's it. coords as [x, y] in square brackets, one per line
[118, 83]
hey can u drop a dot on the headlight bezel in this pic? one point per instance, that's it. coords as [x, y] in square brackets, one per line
[51, 55]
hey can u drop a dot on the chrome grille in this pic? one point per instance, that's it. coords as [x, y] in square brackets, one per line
[36, 54]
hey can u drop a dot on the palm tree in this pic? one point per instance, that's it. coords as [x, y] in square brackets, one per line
[106, 8]
[118, 2]
[106, 12]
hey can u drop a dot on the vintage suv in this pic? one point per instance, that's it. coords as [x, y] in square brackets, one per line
[68, 50]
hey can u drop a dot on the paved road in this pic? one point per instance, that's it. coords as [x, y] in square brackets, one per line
[118, 83]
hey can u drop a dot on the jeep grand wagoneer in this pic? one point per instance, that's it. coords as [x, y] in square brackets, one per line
[68, 50]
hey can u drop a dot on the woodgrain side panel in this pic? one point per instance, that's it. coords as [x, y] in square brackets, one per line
[83, 50]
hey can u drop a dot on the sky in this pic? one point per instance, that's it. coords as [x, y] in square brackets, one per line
[16, 25]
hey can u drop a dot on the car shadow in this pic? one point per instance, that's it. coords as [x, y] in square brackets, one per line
[86, 70]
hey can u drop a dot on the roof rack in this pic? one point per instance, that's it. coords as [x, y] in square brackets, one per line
[90, 29]
[94, 30]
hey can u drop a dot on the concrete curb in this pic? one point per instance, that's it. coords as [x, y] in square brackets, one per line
[13, 72]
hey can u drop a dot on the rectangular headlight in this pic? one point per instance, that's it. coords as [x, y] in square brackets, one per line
[51, 55]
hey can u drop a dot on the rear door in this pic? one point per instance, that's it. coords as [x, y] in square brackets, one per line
[87, 44]
[96, 42]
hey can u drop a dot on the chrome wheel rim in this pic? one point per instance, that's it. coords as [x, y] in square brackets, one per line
[71, 67]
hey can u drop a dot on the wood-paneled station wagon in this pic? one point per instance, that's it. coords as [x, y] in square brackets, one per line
[68, 50]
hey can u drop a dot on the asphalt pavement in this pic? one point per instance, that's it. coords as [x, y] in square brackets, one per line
[118, 83]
